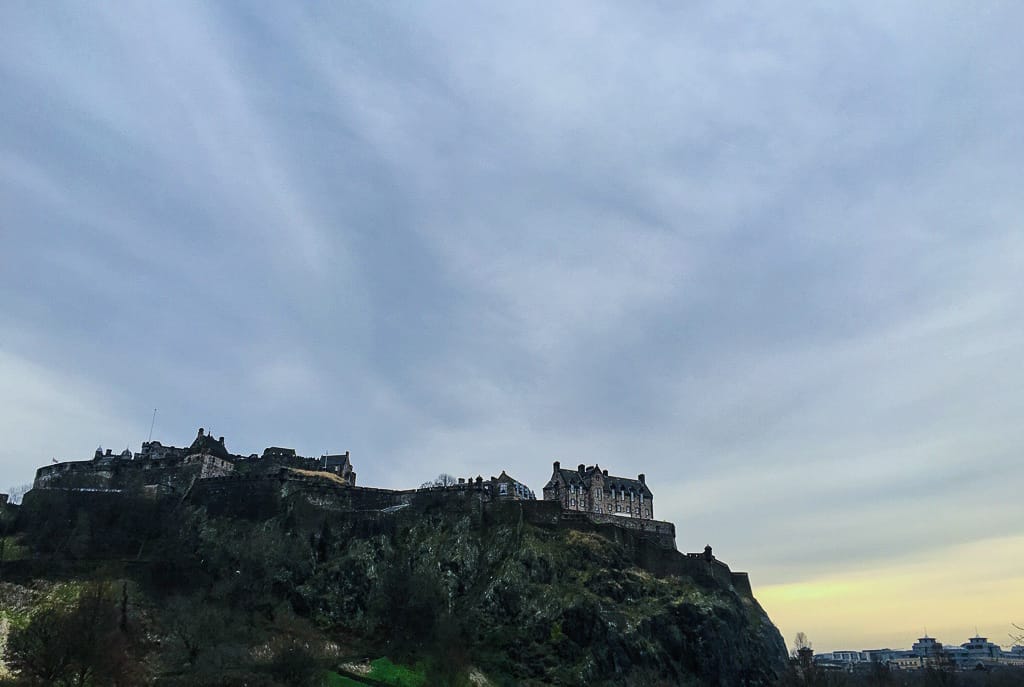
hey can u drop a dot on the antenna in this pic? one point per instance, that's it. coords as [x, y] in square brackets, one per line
[151, 424]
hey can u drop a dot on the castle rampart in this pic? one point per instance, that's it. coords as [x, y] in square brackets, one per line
[205, 474]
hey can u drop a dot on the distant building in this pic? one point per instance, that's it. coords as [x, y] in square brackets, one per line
[276, 452]
[338, 464]
[159, 469]
[593, 490]
[849, 656]
[109, 456]
[1014, 657]
[154, 450]
[926, 647]
[927, 651]
[980, 651]
[505, 487]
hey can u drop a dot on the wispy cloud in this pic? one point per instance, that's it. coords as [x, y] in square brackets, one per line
[767, 254]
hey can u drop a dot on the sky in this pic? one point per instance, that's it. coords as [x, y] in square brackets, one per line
[767, 253]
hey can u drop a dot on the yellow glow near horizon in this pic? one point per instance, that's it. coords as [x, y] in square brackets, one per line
[949, 592]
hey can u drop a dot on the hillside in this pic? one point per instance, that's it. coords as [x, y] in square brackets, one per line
[219, 589]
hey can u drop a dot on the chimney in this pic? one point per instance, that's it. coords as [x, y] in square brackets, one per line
[220, 440]
[604, 472]
[642, 477]
[558, 466]
[581, 468]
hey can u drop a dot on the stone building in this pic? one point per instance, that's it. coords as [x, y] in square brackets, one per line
[505, 487]
[593, 490]
[109, 456]
[154, 450]
[169, 469]
[278, 453]
[340, 465]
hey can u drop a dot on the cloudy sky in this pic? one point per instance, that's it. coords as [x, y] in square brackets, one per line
[769, 255]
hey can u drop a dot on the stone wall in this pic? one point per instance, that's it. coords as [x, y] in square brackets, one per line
[652, 547]
[651, 543]
[138, 476]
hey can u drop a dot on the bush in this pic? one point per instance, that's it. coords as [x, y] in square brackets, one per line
[86, 644]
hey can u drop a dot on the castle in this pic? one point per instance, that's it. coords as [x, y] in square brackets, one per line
[159, 469]
[593, 490]
[163, 470]
[206, 474]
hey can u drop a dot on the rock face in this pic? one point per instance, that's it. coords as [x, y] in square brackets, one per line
[527, 598]
[564, 606]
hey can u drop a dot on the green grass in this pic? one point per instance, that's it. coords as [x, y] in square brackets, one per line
[11, 549]
[384, 670]
[332, 679]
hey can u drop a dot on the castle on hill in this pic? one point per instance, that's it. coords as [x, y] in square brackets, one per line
[159, 470]
[162, 470]
[207, 474]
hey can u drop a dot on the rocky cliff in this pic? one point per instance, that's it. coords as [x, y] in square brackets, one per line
[445, 583]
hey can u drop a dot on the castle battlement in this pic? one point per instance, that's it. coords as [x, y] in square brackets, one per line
[205, 473]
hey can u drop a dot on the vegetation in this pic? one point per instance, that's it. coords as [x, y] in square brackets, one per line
[90, 641]
[176, 596]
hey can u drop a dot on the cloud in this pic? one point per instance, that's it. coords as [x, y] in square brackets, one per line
[767, 254]
[48, 415]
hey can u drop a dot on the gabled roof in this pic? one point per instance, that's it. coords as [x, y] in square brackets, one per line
[626, 484]
[576, 478]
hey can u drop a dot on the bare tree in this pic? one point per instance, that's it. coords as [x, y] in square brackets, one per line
[16, 493]
[443, 480]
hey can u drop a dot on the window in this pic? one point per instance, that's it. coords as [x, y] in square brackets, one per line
[503, 489]
[618, 508]
[572, 502]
